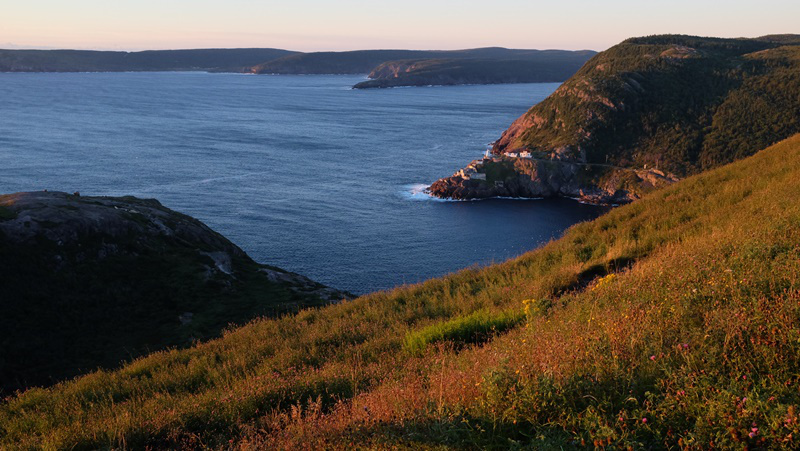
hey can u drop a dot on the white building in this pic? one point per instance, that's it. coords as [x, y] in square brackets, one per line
[525, 154]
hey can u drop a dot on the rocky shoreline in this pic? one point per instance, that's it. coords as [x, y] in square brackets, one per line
[543, 178]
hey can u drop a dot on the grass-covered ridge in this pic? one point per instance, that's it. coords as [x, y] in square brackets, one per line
[692, 342]
[678, 103]
[230, 60]
[532, 67]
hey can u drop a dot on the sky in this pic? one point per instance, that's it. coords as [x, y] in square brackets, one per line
[321, 25]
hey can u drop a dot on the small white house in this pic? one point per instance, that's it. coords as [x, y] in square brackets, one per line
[513, 154]
[479, 176]
[525, 154]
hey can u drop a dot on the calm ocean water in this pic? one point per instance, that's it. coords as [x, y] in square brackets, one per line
[300, 171]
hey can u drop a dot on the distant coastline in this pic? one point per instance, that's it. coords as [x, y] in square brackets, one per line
[383, 68]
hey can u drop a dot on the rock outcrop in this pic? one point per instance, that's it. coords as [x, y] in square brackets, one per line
[87, 282]
[538, 178]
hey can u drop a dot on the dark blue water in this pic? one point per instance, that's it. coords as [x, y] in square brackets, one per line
[300, 171]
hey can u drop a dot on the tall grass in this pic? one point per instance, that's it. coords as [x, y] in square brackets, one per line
[694, 342]
[473, 328]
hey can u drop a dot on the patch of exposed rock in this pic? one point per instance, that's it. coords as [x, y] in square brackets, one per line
[539, 178]
[102, 224]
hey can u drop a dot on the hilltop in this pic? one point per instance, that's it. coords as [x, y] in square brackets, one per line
[90, 282]
[217, 60]
[529, 67]
[388, 64]
[670, 322]
[386, 67]
[645, 111]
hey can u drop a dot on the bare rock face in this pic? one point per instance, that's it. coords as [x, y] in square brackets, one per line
[71, 220]
[539, 178]
[393, 69]
[88, 282]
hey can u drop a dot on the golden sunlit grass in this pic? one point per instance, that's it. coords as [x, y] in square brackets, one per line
[670, 322]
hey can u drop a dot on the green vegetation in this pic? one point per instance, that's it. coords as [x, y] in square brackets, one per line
[474, 328]
[532, 67]
[233, 60]
[693, 342]
[483, 65]
[679, 103]
[374, 61]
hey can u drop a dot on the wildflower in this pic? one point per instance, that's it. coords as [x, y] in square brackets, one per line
[604, 281]
[652, 357]
[685, 345]
[644, 420]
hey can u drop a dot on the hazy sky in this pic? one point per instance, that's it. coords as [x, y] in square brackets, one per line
[309, 25]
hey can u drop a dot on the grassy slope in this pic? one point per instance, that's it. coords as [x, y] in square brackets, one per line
[693, 341]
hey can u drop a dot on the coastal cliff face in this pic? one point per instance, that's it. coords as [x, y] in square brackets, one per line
[676, 104]
[93, 281]
[537, 178]
[394, 69]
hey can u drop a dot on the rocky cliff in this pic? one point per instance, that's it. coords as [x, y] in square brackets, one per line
[93, 281]
[537, 178]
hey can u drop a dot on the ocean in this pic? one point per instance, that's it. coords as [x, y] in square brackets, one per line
[301, 172]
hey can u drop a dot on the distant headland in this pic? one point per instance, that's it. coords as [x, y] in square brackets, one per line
[385, 68]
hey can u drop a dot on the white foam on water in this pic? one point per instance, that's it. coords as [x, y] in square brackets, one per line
[417, 192]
